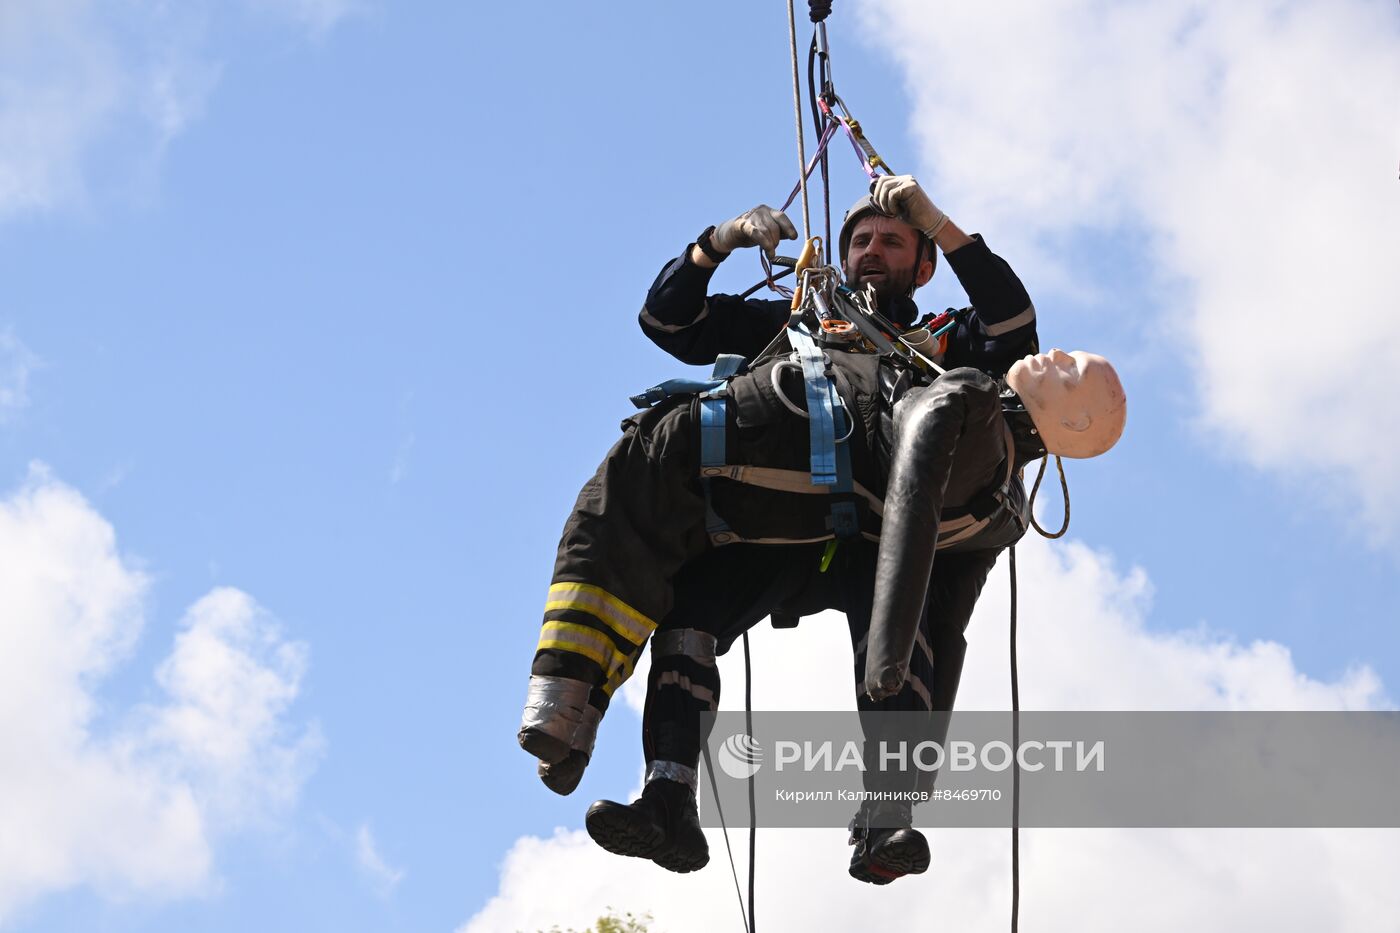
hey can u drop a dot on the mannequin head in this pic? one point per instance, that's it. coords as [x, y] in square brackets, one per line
[1075, 399]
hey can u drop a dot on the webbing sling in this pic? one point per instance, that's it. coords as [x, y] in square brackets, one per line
[821, 408]
[673, 387]
[713, 451]
[831, 461]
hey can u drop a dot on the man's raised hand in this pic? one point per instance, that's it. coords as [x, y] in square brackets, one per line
[900, 197]
[761, 226]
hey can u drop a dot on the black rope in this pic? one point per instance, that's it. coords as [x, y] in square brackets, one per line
[724, 828]
[768, 282]
[818, 10]
[1064, 488]
[817, 123]
[753, 819]
[1015, 763]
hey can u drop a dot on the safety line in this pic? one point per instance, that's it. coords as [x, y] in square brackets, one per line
[753, 816]
[1015, 764]
[724, 828]
[797, 112]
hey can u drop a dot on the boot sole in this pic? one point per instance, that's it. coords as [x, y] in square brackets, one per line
[622, 831]
[680, 861]
[893, 859]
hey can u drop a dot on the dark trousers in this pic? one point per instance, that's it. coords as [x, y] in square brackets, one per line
[728, 590]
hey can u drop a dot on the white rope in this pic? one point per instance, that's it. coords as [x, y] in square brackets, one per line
[797, 112]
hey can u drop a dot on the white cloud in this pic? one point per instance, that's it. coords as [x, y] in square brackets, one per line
[17, 362]
[230, 679]
[91, 94]
[130, 802]
[1099, 655]
[381, 874]
[72, 78]
[1251, 147]
[317, 16]
[399, 469]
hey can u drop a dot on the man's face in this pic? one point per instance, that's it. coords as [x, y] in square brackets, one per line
[883, 252]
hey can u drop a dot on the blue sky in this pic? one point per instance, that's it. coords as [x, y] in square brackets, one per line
[333, 306]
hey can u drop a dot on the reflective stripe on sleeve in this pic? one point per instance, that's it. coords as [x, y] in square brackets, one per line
[1010, 324]
[651, 321]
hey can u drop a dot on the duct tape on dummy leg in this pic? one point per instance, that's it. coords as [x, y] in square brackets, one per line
[563, 776]
[559, 727]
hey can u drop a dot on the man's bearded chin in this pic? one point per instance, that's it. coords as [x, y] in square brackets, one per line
[892, 289]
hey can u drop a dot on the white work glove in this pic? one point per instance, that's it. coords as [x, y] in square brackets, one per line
[900, 197]
[761, 226]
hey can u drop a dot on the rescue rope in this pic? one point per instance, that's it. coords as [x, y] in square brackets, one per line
[1064, 488]
[749, 920]
[753, 814]
[724, 828]
[797, 108]
[1015, 764]
[1016, 688]
[819, 51]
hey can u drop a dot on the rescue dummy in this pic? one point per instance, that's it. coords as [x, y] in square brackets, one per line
[1071, 403]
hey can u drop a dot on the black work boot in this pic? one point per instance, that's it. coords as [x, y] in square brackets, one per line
[662, 825]
[886, 846]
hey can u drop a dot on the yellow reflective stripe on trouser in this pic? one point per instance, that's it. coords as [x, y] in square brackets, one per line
[603, 606]
[615, 681]
[592, 644]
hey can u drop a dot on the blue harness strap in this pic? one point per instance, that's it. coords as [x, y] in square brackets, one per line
[713, 451]
[712, 406]
[845, 520]
[822, 402]
[831, 459]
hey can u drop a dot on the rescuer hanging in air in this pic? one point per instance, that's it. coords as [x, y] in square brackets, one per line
[915, 454]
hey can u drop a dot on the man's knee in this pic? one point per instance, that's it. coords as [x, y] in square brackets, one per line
[961, 393]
